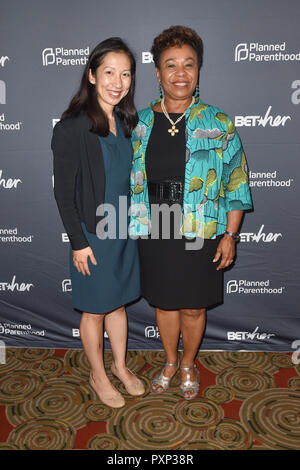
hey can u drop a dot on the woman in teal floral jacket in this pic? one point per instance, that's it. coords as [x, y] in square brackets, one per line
[187, 155]
[215, 172]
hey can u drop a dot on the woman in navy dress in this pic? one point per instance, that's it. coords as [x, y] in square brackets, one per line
[92, 162]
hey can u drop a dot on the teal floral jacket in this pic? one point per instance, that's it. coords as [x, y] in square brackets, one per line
[216, 172]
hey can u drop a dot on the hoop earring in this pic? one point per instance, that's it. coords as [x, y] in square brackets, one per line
[196, 92]
[160, 91]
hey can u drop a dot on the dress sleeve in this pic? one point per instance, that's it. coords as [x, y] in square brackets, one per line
[65, 169]
[235, 172]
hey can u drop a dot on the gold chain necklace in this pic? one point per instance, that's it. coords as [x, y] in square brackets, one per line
[173, 129]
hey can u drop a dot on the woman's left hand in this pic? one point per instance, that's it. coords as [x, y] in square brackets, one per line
[225, 250]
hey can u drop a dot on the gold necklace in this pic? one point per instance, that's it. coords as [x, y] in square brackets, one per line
[173, 129]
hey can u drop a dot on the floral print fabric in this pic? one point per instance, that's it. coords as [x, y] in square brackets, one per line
[216, 172]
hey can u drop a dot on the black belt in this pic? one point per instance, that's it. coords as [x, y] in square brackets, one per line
[166, 191]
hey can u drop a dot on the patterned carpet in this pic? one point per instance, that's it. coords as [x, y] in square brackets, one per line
[247, 400]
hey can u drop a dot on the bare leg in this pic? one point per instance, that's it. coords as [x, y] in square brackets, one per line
[116, 328]
[91, 333]
[168, 322]
[192, 324]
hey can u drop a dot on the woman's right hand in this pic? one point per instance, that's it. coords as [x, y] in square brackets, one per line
[80, 260]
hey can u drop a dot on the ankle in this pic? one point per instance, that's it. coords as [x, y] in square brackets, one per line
[121, 366]
[99, 376]
[172, 360]
[187, 362]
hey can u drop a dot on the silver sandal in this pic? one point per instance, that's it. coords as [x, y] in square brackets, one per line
[189, 387]
[161, 380]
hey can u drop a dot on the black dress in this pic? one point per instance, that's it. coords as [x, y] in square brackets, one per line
[172, 277]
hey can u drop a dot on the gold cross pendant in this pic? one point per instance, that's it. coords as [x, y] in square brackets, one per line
[173, 131]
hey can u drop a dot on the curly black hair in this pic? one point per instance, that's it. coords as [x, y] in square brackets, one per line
[177, 36]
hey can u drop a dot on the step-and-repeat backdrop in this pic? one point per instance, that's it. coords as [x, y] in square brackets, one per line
[251, 71]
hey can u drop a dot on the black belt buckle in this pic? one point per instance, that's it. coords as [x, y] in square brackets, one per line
[166, 191]
[175, 191]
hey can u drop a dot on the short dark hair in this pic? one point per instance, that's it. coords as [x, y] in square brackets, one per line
[177, 36]
[85, 100]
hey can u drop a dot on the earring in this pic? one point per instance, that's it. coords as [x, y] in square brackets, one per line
[196, 92]
[160, 91]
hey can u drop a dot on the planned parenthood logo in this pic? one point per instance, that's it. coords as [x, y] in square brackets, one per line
[262, 179]
[257, 52]
[9, 126]
[4, 125]
[152, 332]
[66, 285]
[12, 235]
[3, 59]
[19, 329]
[244, 286]
[63, 57]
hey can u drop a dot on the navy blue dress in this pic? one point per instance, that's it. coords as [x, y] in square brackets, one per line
[115, 280]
